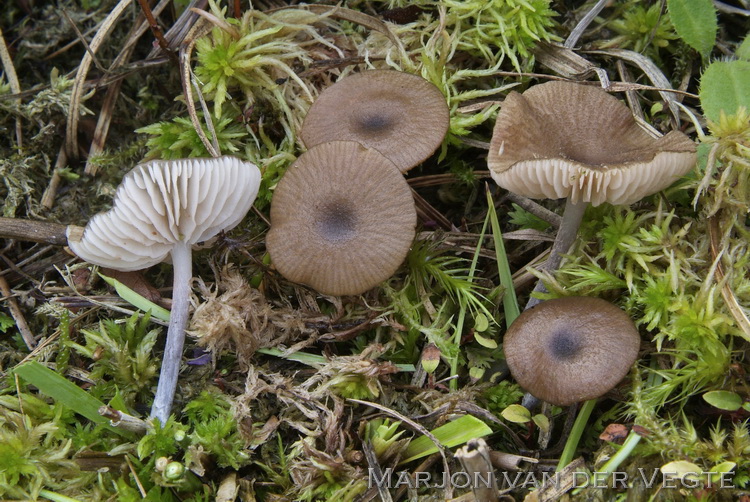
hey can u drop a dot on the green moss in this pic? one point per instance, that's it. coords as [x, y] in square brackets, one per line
[644, 29]
[499, 29]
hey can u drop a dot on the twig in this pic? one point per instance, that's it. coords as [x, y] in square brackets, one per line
[432, 180]
[653, 72]
[135, 476]
[15, 311]
[417, 427]
[84, 42]
[180, 29]
[630, 96]
[427, 212]
[124, 421]
[730, 9]
[156, 30]
[566, 62]
[76, 93]
[584, 23]
[483, 145]
[15, 85]
[735, 309]
[536, 209]
[35, 231]
[374, 466]
[475, 459]
[509, 461]
[186, 78]
[113, 90]
[48, 199]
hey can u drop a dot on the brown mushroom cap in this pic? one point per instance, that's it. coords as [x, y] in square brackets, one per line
[342, 219]
[561, 139]
[571, 349]
[401, 115]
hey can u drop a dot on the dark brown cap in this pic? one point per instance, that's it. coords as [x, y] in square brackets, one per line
[571, 349]
[342, 219]
[401, 115]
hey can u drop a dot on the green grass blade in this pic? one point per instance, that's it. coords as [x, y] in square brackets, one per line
[136, 300]
[56, 497]
[452, 434]
[575, 433]
[463, 307]
[66, 392]
[510, 302]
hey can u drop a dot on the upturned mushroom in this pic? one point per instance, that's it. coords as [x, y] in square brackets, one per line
[161, 209]
[342, 219]
[401, 115]
[571, 349]
[561, 139]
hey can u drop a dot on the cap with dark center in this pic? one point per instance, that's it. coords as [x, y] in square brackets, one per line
[342, 219]
[571, 349]
[561, 139]
[401, 115]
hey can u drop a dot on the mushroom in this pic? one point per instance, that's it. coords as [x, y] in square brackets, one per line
[161, 209]
[401, 115]
[561, 139]
[571, 349]
[342, 219]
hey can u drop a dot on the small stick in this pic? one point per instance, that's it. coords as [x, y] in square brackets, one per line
[584, 23]
[48, 199]
[475, 459]
[79, 84]
[35, 231]
[156, 30]
[536, 209]
[123, 420]
[84, 42]
[15, 311]
[15, 85]
[509, 461]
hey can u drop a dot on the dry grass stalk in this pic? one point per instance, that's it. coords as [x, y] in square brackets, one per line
[76, 96]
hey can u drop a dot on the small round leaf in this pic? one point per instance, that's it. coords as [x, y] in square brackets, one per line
[481, 323]
[723, 399]
[681, 469]
[516, 413]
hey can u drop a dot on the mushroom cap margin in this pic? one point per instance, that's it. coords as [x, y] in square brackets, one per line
[162, 202]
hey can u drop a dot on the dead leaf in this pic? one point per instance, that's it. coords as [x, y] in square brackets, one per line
[615, 433]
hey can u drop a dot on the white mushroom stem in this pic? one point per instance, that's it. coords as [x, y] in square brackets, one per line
[566, 235]
[170, 368]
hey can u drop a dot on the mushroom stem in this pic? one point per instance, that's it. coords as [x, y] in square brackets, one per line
[170, 368]
[566, 235]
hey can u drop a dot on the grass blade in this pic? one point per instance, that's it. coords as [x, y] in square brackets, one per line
[510, 302]
[66, 392]
[137, 300]
[452, 434]
[463, 307]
